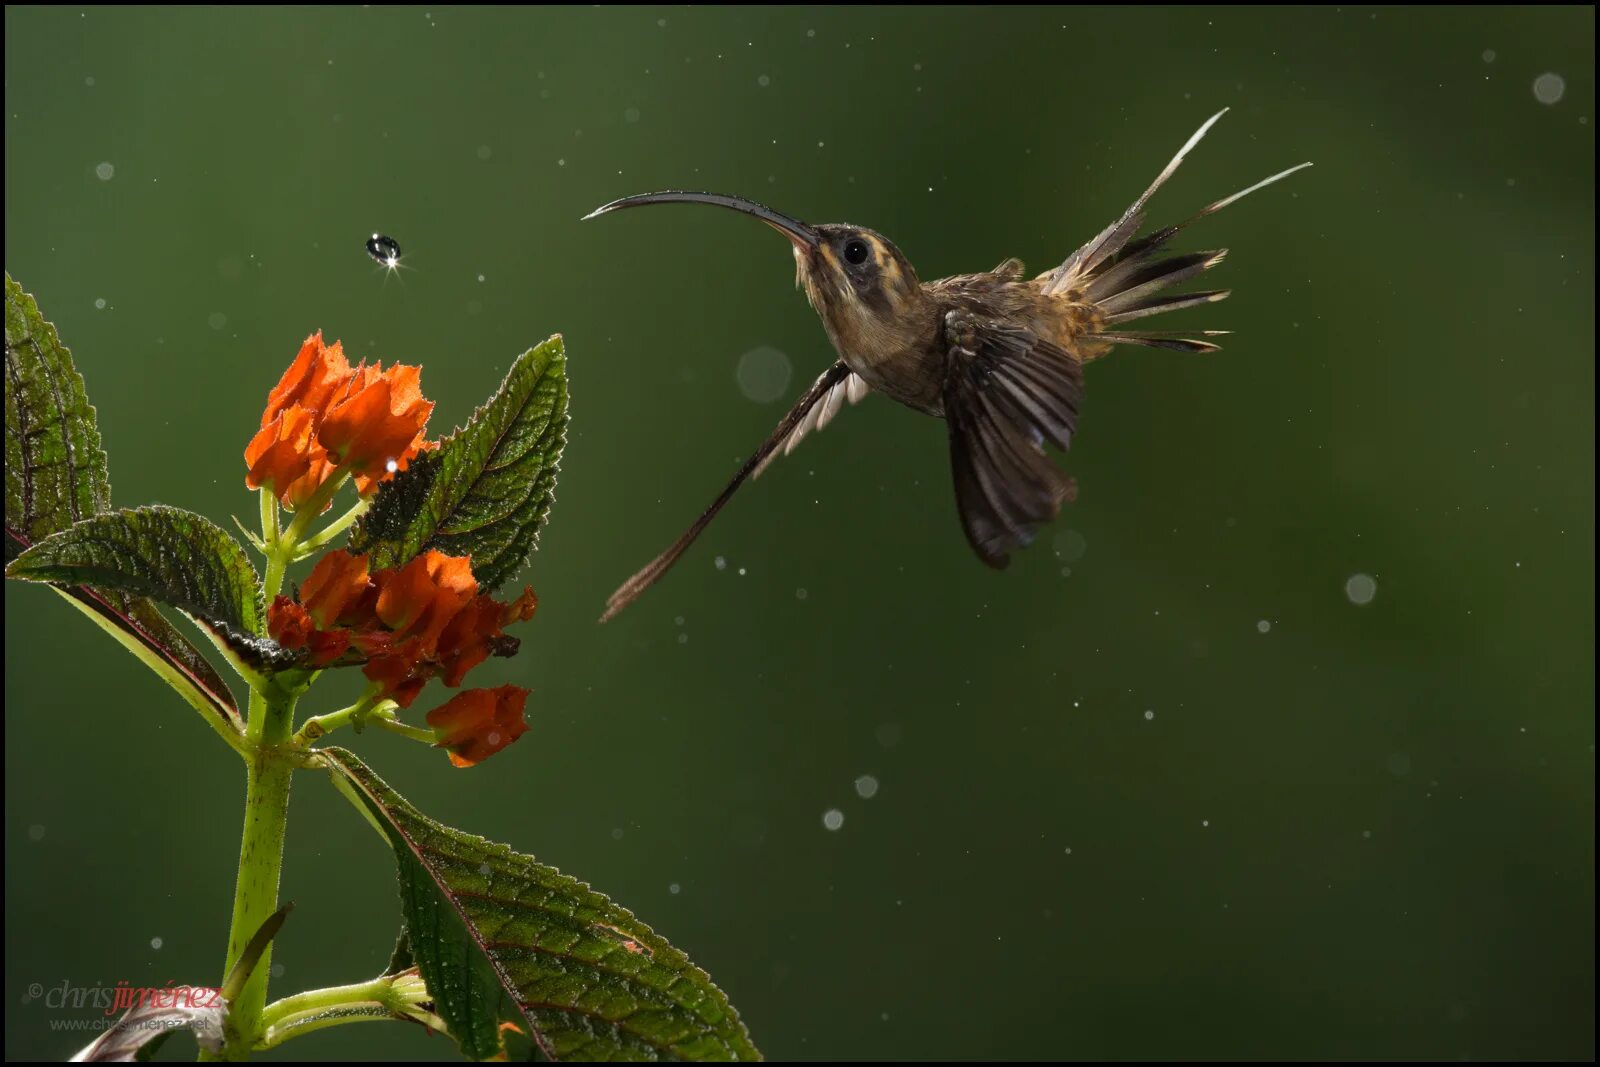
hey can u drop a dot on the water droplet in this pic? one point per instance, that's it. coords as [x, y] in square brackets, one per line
[674, 888]
[1148, 715]
[801, 594]
[484, 151]
[763, 81]
[833, 818]
[630, 114]
[36, 832]
[1070, 546]
[100, 303]
[722, 564]
[1361, 588]
[385, 251]
[1488, 55]
[866, 787]
[1549, 88]
[1263, 626]
[217, 320]
[763, 374]
[105, 172]
[155, 942]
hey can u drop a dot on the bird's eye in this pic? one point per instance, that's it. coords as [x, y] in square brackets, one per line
[855, 251]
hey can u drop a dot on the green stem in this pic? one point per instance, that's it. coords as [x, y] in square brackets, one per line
[333, 529]
[255, 895]
[416, 733]
[322, 725]
[390, 997]
[282, 546]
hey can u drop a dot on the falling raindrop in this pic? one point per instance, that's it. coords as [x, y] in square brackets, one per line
[833, 818]
[1361, 588]
[1549, 88]
[385, 251]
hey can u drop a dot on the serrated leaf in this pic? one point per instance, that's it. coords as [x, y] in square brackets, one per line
[500, 937]
[56, 474]
[168, 554]
[55, 468]
[486, 490]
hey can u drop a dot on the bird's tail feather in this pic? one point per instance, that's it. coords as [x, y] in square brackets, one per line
[1124, 279]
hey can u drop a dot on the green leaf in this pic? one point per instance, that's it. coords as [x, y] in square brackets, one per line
[56, 475]
[486, 490]
[55, 468]
[174, 556]
[500, 938]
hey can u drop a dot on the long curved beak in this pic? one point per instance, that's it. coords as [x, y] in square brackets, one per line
[802, 235]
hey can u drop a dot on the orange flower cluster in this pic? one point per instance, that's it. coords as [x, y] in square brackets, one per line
[325, 416]
[406, 625]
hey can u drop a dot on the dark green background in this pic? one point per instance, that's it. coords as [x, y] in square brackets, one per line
[1367, 832]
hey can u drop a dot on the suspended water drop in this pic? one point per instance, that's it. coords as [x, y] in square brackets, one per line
[1361, 588]
[385, 251]
[1549, 88]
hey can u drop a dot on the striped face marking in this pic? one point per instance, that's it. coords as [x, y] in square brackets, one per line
[856, 271]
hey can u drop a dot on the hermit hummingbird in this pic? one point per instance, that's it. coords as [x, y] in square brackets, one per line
[999, 357]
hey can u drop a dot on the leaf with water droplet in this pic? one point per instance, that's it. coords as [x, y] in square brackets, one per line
[486, 490]
[56, 474]
[501, 938]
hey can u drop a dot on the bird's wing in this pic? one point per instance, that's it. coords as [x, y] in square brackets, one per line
[1006, 392]
[629, 591]
[852, 387]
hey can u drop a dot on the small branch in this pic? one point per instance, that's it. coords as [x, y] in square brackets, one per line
[398, 996]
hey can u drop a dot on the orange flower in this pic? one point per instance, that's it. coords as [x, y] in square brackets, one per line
[324, 417]
[404, 625]
[376, 423]
[285, 458]
[477, 723]
[338, 590]
[476, 633]
[317, 373]
[423, 596]
[289, 624]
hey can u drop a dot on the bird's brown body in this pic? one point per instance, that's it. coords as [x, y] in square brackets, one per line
[997, 355]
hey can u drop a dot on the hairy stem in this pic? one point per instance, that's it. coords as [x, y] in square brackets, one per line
[255, 895]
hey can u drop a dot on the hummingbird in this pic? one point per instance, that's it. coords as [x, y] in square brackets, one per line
[996, 355]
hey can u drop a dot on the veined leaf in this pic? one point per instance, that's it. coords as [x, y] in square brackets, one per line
[171, 555]
[501, 938]
[486, 490]
[55, 468]
[56, 474]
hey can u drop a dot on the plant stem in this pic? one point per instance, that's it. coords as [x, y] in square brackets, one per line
[255, 895]
[333, 529]
[394, 996]
[322, 725]
[283, 545]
